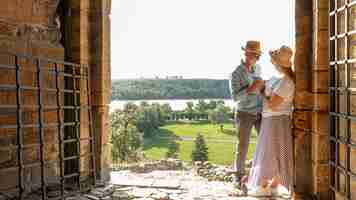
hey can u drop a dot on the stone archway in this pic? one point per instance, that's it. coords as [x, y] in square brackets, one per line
[90, 44]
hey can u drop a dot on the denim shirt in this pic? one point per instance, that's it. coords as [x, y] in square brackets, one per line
[240, 80]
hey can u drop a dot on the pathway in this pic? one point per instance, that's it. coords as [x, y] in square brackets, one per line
[163, 185]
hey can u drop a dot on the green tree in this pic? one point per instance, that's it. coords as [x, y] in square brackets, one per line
[201, 107]
[166, 110]
[144, 104]
[220, 115]
[147, 121]
[200, 151]
[125, 138]
[169, 89]
[151, 117]
[212, 105]
[189, 110]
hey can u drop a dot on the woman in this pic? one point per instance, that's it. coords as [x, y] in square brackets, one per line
[272, 163]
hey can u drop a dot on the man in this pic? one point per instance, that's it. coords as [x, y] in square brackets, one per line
[245, 80]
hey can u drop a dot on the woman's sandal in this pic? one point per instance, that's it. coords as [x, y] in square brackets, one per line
[260, 192]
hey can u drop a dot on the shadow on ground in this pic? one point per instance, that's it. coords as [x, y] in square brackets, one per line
[164, 139]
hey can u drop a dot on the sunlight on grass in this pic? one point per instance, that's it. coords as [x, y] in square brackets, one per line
[206, 129]
[220, 152]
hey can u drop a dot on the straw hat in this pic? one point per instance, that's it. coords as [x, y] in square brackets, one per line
[282, 56]
[253, 47]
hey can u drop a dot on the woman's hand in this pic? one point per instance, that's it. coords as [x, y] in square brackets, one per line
[274, 101]
[256, 85]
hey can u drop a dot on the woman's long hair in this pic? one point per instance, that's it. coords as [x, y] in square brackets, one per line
[288, 71]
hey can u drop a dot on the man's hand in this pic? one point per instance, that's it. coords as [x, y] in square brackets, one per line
[256, 85]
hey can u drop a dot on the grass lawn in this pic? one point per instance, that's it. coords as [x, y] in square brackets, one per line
[221, 145]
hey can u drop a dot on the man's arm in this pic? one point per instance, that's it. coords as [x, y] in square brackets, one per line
[238, 91]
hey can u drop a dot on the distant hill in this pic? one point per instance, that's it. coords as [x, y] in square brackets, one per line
[135, 89]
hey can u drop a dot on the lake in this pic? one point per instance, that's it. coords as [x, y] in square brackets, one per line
[176, 104]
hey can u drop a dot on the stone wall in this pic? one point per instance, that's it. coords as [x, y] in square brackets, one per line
[320, 115]
[28, 27]
[302, 117]
[311, 119]
[90, 44]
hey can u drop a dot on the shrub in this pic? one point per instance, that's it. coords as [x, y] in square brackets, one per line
[173, 150]
[200, 152]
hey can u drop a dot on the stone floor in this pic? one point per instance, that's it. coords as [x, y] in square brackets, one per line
[163, 185]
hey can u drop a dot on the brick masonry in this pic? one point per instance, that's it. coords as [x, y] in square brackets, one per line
[313, 43]
[28, 27]
[90, 42]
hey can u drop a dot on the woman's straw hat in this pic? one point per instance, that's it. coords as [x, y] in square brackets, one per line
[253, 47]
[282, 56]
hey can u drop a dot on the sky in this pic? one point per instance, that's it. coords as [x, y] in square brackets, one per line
[194, 38]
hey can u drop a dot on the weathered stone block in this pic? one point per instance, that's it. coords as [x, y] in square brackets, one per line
[320, 148]
[302, 120]
[100, 98]
[304, 25]
[321, 19]
[11, 178]
[320, 81]
[322, 41]
[320, 5]
[320, 123]
[303, 164]
[321, 181]
[342, 150]
[353, 131]
[353, 103]
[303, 81]
[321, 102]
[303, 100]
[353, 159]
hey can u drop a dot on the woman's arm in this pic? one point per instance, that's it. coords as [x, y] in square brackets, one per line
[274, 101]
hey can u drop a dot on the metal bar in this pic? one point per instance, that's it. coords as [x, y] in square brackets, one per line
[48, 125]
[35, 164]
[2, 66]
[336, 84]
[44, 59]
[76, 140]
[19, 131]
[76, 107]
[76, 121]
[13, 87]
[70, 158]
[23, 106]
[71, 175]
[91, 131]
[40, 121]
[348, 133]
[352, 3]
[49, 71]
[43, 68]
[60, 132]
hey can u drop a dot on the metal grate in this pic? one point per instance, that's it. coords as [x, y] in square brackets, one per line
[342, 91]
[46, 137]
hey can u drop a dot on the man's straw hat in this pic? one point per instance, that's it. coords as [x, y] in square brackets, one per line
[282, 56]
[253, 47]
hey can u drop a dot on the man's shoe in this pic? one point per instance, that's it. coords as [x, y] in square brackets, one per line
[236, 182]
